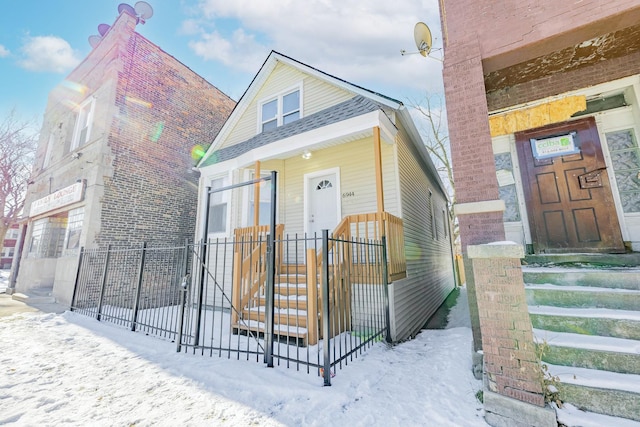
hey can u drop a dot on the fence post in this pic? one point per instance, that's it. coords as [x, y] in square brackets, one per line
[136, 303]
[75, 285]
[184, 285]
[325, 308]
[271, 266]
[385, 283]
[203, 275]
[104, 282]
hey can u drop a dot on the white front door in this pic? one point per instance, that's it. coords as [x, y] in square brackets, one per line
[323, 211]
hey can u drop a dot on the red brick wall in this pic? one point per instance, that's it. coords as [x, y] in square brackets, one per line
[510, 360]
[164, 110]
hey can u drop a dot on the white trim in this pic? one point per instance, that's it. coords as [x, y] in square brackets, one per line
[479, 207]
[278, 97]
[228, 180]
[307, 177]
[75, 141]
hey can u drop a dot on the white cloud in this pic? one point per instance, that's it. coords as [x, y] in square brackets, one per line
[48, 53]
[3, 51]
[351, 39]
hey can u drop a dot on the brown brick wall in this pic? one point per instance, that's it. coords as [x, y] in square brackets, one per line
[163, 111]
[510, 358]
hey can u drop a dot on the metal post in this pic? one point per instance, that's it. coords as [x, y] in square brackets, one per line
[325, 308]
[385, 283]
[271, 270]
[184, 286]
[104, 282]
[136, 303]
[203, 267]
[75, 285]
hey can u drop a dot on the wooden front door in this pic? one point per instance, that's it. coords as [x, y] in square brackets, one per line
[567, 191]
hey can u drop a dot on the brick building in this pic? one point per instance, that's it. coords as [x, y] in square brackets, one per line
[543, 105]
[114, 162]
[9, 246]
[541, 70]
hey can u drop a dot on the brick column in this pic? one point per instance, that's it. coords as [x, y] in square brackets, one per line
[477, 206]
[511, 367]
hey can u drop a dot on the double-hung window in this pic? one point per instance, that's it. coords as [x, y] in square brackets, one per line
[218, 207]
[84, 122]
[278, 111]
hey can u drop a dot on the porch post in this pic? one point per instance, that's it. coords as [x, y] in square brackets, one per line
[378, 168]
[256, 196]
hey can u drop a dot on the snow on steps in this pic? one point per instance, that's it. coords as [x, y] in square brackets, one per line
[590, 318]
[603, 392]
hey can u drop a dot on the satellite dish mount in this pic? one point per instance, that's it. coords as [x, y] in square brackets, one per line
[423, 39]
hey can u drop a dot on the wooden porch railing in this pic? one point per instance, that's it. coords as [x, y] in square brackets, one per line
[250, 263]
[374, 226]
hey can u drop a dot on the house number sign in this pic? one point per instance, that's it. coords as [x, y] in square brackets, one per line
[348, 194]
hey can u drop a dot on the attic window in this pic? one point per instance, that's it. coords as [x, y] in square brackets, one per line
[283, 109]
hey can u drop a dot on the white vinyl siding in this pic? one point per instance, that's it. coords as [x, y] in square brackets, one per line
[429, 261]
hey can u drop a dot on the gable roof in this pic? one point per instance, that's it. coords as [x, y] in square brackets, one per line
[351, 106]
[343, 111]
[265, 71]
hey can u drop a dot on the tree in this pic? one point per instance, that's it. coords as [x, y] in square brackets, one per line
[17, 147]
[433, 127]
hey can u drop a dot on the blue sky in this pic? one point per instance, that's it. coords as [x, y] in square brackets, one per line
[225, 41]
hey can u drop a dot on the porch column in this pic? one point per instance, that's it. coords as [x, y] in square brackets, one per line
[256, 196]
[378, 166]
[478, 207]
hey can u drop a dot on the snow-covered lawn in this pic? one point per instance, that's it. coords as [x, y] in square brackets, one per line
[73, 370]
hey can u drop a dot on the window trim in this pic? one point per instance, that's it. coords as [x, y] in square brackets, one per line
[279, 106]
[87, 105]
[227, 180]
[247, 214]
[47, 155]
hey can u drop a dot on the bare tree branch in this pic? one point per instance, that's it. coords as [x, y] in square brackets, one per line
[433, 128]
[17, 149]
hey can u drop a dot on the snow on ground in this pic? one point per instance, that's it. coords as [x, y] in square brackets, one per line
[73, 370]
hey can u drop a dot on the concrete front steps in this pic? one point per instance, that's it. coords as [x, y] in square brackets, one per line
[586, 313]
[35, 296]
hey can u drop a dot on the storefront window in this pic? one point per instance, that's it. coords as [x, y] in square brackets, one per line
[47, 237]
[74, 229]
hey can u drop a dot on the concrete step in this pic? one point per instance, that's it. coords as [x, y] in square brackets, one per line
[592, 352]
[587, 321]
[631, 259]
[620, 278]
[582, 296]
[34, 296]
[602, 392]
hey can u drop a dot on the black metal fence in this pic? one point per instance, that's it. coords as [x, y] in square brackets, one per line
[311, 303]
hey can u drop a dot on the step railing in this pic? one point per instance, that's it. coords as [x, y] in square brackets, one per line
[250, 264]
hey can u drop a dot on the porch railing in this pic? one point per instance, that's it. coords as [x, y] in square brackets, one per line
[374, 226]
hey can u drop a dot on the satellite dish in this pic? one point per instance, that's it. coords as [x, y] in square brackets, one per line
[103, 28]
[123, 7]
[94, 40]
[143, 10]
[422, 36]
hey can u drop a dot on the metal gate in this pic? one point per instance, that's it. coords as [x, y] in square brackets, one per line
[309, 302]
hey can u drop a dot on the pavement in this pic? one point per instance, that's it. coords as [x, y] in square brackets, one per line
[10, 306]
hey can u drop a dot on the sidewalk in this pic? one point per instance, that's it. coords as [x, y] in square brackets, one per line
[10, 306]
